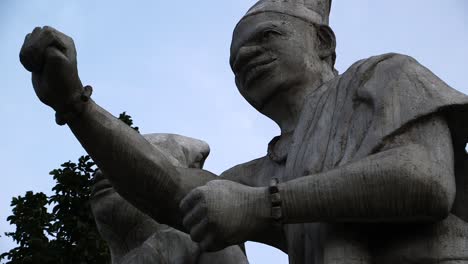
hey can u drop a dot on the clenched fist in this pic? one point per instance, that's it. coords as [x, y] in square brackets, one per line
[224, 213]
[51, 58]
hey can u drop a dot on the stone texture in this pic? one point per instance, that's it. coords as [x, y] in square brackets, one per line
[372, 162]
[134, 237]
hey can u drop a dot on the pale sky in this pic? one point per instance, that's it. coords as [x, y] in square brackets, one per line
[166, 64]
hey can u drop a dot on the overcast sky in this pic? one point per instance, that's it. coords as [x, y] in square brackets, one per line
[166, 64]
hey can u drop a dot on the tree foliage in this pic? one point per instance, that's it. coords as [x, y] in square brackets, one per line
[59, 229]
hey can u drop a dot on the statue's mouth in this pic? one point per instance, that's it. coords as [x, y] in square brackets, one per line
[256, 69]
[252, 63]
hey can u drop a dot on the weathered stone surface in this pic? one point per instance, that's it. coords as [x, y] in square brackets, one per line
[134, 237]
[372, 162]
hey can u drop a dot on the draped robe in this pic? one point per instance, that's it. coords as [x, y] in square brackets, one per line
[349, 118]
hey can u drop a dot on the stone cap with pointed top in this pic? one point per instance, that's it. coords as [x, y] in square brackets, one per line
[314, 11]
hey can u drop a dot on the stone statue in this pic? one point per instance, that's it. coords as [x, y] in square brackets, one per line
[370, 166]
[134, 237]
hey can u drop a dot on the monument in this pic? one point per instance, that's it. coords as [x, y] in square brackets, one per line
[370, 166]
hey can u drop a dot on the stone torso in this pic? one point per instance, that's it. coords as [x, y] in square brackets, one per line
[343, 121]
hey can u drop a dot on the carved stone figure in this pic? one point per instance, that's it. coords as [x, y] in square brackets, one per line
[370, 166]
[134, 237]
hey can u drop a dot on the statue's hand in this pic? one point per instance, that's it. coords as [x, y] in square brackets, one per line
[224, 213]
[51, 57]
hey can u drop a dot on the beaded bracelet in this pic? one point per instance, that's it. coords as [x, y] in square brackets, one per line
[275, 198]
[75, 108]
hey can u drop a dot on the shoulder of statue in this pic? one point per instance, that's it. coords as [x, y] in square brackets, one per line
[393, 75]
[382, 66]
[400, 91]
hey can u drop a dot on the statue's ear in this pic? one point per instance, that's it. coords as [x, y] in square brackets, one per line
[327, 43]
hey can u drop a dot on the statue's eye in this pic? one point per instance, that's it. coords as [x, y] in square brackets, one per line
[269, 33]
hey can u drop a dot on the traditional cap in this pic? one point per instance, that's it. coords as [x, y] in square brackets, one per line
[315, 11]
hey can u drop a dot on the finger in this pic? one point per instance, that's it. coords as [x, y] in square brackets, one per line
[194, 216]
[26, 61]
[34, 47]
[56, 38]
[63, 42]
[27, 37]
[26, 54]
[199, 231]
[34, 35]
[49, 37]
[55, 59]
[54, 56]
[208, 243]
[36, 30]
[55, 62]
[190, 200]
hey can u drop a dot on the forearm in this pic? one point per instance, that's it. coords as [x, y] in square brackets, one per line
[137, 170]
[393, 186]
[268, 231]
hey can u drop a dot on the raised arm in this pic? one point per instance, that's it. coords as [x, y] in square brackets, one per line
[410, 179]
[138, 170]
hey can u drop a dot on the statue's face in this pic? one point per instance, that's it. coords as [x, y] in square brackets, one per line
[270, 53]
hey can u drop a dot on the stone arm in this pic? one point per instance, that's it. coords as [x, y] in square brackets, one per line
[155, 186]
[411, 178]
[137, 169]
